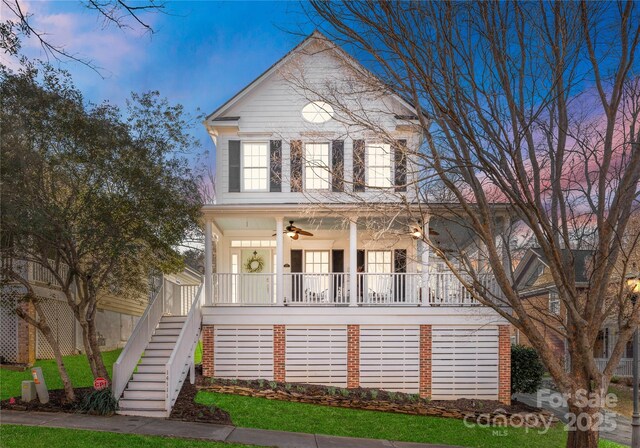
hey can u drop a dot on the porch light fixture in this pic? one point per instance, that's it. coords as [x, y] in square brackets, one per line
[416, 233]
[633, 281]
[291, 234]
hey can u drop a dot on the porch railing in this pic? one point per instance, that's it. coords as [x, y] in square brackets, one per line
[137, 343]
[333, 289]
[316, 289]
[181, 360]
[625, 367]
[35, 272]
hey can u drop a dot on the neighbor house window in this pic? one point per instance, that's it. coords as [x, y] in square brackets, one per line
[554, 303]
[316, 170]
[255, 166]
[379, 165]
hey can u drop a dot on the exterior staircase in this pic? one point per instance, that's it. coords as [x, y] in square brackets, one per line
[160, 354]
[146, 392]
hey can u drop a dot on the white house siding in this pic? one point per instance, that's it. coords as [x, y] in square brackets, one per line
[316, 354]
[272, 111]
[243, 351]
[390, 357]
[464, 346]
[465, 362]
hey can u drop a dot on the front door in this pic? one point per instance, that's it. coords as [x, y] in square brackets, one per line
[255, 282]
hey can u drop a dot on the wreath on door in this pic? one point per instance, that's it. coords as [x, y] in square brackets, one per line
[254, 264]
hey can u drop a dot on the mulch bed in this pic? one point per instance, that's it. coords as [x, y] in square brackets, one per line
[486, 411]
[57, 402]
[187, 409]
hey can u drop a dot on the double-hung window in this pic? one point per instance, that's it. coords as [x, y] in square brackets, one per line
[316, 168]
[554, 303]
[255, 166]
[379, 165]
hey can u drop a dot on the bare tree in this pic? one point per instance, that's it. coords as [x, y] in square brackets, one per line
[18, 24]
[529, 106]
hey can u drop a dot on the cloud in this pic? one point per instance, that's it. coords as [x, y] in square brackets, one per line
[81, 33]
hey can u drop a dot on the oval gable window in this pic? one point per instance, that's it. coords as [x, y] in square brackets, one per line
[317, 112]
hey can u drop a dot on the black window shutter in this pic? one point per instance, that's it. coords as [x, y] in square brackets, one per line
[296, 165]
[337, 165]
[358, 165]
[400, 170]
[338, 282]
[296, 283]
[400, 266]
[276, 165]
[234, 166]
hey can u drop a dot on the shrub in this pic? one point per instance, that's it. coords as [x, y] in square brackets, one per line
[526, 369]
[99, 402]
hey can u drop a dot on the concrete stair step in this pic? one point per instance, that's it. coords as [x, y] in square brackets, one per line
[144, 413]
[144, 394]
[142, 403]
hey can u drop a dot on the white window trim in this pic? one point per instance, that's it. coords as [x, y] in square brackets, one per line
[242, 179]
[554, 303]
[304, 166]
[367, 167]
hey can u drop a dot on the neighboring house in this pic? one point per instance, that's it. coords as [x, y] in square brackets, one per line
[302, 289]
[116, 317]
[537, 289]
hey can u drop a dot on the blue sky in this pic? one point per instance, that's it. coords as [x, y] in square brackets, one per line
[201, 53]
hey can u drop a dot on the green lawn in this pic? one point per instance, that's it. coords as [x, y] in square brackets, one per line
[77, 366]
[299, 417]
[12, 436]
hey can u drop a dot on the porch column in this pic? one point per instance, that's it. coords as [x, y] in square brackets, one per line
[279, 261]
[353, 262]
[424, 261]
[208, 262]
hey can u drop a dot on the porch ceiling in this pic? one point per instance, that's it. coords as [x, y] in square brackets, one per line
[452, 234]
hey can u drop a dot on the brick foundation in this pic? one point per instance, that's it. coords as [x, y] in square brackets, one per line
[207, 350]
[425, 361]
[353, 356]
[504, 364]
[26, 337]
[279, 343]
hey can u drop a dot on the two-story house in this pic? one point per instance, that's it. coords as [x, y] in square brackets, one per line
[303, 289]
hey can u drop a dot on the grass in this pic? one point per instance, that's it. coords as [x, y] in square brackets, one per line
[300, 417]
[77, 367]
[624, 393]
[13, 436]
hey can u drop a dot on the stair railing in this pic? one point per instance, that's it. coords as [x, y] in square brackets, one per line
[137, 343]
[182, 359]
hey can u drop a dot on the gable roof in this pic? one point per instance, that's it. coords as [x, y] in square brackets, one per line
[535, 257]
[313, 37]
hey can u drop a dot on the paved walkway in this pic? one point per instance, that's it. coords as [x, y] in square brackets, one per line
[620, 433]
[203, 431]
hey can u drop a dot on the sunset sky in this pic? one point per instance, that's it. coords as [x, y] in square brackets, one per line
[200, 54]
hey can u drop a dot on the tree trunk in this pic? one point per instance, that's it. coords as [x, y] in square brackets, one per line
[41, 324]
[94, 353]
[584, 432]
[64, 376]
[587, 438]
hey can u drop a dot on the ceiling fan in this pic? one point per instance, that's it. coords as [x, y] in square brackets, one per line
[294, 232]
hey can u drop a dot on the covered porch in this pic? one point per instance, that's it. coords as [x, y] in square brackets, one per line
[294, 256]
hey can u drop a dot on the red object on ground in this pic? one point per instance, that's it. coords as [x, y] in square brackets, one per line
[100, 383]
[12, 400]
